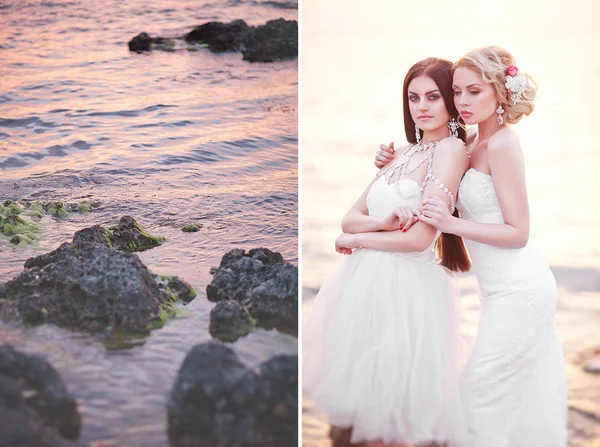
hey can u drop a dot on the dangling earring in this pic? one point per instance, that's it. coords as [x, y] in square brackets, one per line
[500, 111]
[418, 134]
[453, 126]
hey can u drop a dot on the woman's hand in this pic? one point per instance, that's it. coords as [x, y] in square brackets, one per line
[402, 218]
[434, 211]
[345, 243]
[385, 155]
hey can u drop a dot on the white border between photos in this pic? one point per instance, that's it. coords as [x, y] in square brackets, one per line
[299, 222]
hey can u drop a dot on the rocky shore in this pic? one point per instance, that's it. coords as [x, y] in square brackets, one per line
[276, 40]
[97, 284]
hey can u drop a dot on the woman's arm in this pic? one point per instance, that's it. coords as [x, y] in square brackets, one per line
[449, 164]
[508, 174]
[357, 219]
[419, 238]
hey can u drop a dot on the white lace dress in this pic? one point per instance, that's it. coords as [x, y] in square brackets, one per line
[514, 386]
[381, 342]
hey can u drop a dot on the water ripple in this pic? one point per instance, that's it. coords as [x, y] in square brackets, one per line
[25, 122]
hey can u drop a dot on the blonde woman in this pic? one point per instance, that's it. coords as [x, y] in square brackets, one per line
[514, 385]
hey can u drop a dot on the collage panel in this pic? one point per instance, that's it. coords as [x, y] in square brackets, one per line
[469, 125]
[149, 223]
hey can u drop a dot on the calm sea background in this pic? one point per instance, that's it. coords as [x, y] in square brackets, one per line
[169, 138]
[355, 56]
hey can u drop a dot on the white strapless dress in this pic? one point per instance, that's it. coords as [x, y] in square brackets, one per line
[381, 342]
[514, 385]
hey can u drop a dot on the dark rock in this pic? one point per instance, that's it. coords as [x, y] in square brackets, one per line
[127, 236]
[275, 302]
[217, 401]
[21, 425]
[275, 41]
[130, 236]
[95, 234]
[176, 288]
[87, 286]
[229, 320]
[261, 281]
[278, 386]
[35, 406]
[141, 42]
[220, 36]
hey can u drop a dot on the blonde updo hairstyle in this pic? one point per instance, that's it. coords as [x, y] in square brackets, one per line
[492, 62]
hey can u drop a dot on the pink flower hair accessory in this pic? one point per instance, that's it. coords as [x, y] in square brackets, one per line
[515, 84]
[512, 70]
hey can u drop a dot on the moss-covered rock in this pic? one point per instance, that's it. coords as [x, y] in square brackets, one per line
[35, 209]
[56, 209]
[191, 228]
[20, 223]
[20, 240]
[13, 225]
[176, 288]
[129, 236]
[89, 286]
[84, 206]
[10, 207]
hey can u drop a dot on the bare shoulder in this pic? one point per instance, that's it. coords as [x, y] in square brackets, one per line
[398, 151]
[452, 149]
[504, 140]
[452, 144]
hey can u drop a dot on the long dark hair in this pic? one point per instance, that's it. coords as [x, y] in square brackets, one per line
[449, 247]
[440, 71]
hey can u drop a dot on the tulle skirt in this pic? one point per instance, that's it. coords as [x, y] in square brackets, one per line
[382, 351]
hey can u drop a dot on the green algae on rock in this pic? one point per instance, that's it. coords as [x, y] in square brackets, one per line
[56, 209]
[129, 236]
[35, 209]
[10, 207]
[85, 206]
[22, 232]
[89, 286]
[191, 228]
[176, 288]
[20, 240]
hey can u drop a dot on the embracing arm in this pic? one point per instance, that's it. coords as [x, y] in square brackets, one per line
[508, 174]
